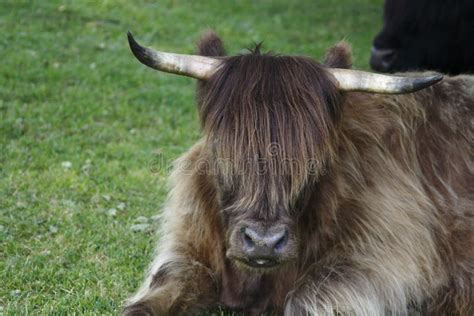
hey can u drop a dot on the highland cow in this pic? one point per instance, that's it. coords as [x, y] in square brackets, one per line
[325, 190]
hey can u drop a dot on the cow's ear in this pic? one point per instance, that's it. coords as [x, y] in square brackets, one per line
[339, 56]
[210, 44]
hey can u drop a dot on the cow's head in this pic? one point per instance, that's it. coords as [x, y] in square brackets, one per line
[422, 35]
[270, 128]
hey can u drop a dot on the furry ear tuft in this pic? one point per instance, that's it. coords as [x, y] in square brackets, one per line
[210, 44]
[339, 56]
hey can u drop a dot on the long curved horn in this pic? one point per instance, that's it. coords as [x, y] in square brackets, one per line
[355, 80]
[195, 66]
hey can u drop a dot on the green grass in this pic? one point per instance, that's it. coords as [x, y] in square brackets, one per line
[83, 126]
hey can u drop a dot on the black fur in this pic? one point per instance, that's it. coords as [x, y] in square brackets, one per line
[429, 35]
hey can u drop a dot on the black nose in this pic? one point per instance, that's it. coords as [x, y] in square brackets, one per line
[263, 246]
[382, 59]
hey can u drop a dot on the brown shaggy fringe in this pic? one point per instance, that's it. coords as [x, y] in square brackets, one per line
[260, 110]
[384, 216]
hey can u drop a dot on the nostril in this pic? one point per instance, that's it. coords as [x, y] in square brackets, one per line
[281, 243]
[388, 57]
[248, 239]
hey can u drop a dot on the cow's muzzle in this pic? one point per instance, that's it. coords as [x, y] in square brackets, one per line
[382, 59]
[257, 245]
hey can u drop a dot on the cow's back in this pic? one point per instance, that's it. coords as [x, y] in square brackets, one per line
[444, 143]
[414, 159]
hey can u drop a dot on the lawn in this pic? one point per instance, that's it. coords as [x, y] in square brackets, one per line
[87, 133]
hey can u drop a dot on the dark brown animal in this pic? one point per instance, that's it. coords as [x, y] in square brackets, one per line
[305, 197]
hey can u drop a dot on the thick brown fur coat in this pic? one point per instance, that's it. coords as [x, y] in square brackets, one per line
[387, 222]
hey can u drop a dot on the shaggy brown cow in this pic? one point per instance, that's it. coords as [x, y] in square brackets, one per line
[308, 195]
